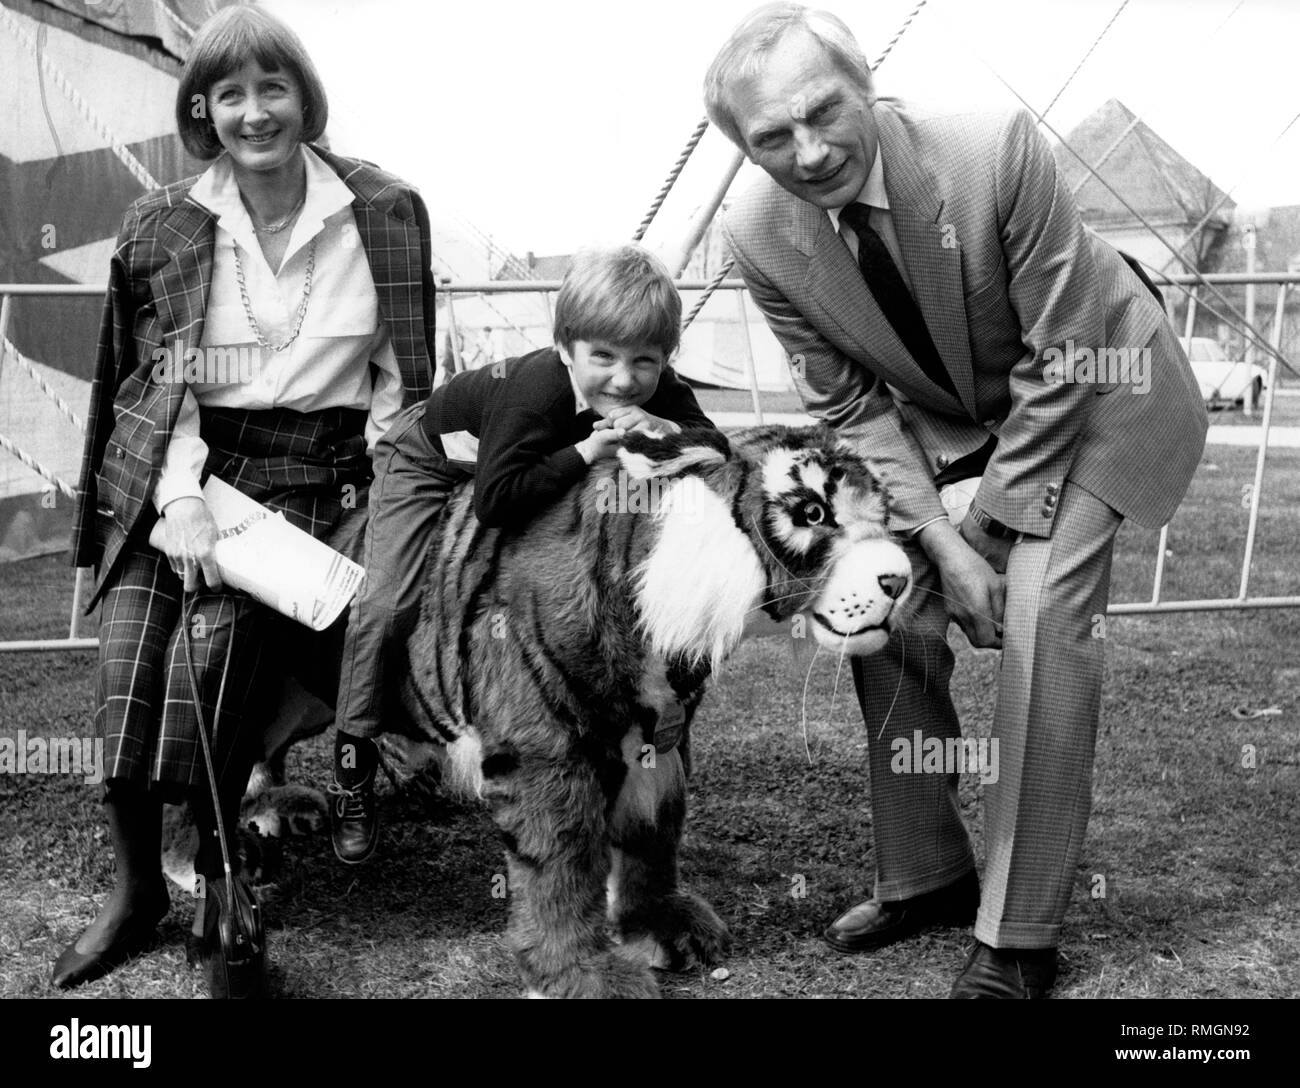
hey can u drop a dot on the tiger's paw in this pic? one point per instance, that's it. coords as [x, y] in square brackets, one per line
[675, 934]
[603, 975]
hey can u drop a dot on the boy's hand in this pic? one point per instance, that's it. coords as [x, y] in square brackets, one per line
[600, 444]
[633, 418]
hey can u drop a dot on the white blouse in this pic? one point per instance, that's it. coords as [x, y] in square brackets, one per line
[343, 356]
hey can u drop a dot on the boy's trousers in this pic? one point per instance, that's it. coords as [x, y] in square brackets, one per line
[413, 481]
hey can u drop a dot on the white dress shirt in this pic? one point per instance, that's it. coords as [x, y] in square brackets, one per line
[873, 195]
[343, 356]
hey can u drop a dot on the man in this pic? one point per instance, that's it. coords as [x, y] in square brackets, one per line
[945, 311]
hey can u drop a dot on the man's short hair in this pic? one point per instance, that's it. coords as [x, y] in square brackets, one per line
[623, 295]
[745, 53]
[224, 44]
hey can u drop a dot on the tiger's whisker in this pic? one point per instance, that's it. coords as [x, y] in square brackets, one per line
[924, 629]
[812, 592]
[925, 665]
[804, 710]
[898, 687]
[830, 714]
[944, 596]
[774, 600]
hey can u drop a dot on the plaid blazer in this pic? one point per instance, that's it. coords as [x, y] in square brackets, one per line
[1003, 272]
[157, 293]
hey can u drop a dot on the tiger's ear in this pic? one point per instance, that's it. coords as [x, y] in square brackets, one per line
[643, 457]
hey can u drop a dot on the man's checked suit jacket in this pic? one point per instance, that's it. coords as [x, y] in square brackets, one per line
[158, 288]
[1003, 271]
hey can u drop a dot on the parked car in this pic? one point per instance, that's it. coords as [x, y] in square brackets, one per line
[1222, 380]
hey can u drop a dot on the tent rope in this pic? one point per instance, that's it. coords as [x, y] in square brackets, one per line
[33, 464]
[174, 18]
[707, 293]
[671, 180]
[1096, 42]
[1247, 330]
[1228, 195]
[119, 149]
[28, 368]
[897, 37]
[1189, 294]
[1085, 178]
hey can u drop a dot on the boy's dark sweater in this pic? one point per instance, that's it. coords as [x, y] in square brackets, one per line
[524, 414]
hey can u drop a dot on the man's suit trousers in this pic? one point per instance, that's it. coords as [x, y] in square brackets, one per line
[1045, 727]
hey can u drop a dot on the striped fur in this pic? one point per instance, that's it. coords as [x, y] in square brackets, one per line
[560, 666]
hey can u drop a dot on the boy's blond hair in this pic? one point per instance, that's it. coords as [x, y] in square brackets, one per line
[623, 295]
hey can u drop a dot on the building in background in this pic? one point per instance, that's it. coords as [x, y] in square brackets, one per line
[1153, 179]
[1190, 212]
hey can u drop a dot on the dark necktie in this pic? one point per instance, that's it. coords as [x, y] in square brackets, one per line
[892, 296]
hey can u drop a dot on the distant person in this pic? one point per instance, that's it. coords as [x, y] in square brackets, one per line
[320, 267]
[453, 352]
[495, 343]
[527, 429]
[933, 286]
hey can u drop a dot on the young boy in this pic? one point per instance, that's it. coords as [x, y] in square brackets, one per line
[527, 429]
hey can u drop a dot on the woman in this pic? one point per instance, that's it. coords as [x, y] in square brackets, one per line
[265, 322]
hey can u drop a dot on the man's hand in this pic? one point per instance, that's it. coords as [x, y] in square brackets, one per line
[992, 549]
[600, 444]
[975, 593]
[189, 537]
[633, 418]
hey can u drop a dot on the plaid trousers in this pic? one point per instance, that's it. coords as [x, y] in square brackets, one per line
[312, 466]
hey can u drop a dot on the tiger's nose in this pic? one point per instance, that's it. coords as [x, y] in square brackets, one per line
[893, 585]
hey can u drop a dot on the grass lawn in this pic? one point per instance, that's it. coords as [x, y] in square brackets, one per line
[1197, 853]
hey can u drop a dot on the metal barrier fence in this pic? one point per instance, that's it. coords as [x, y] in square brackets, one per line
[1155, 605]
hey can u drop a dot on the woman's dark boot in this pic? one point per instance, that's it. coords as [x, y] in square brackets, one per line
[127, 921]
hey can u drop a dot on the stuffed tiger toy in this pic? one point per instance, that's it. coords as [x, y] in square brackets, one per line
[558, 668]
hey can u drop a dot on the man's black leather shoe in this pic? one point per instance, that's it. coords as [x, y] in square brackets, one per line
[875, 923]
[1006, 973]
[354, 820]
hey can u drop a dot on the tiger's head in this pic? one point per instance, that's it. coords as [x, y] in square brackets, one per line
[775, 522]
